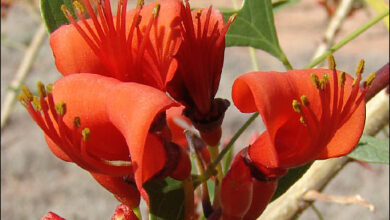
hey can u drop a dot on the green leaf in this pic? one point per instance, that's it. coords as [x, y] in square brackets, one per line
[289, 179]
[52, 14]
[254, 26]
[277, 5]
[166, 199]
[371, 150]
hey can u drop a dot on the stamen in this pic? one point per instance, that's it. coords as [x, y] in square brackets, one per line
[302, 120]
[27, 93]
[342, 79]
[41, 89]
[360, 67]
[232, 18]
[296, 106]
[49, 88]
[315, 80]
[61, 108]
[79, 7]
[326, 78]
[305, 100]
[331, 62]
[140, 3]
[65, 10]
[369, 79]
[22, 99]
[198, 13]
[77, 122]
[36, 102]
[156, 10]
[85, 133]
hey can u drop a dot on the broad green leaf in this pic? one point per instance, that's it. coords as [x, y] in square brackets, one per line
[371, 150]
[166, 199]
[52, 13]
[289, 179]
[254, 26]
[279, 4]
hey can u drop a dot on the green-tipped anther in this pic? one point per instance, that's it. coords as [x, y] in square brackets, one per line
[49, 88]
[302, 120]
[360, 67]
[85, 133]
[76, 122]
[296, 106]
[140, 3]
[41, 89]
[78, 6]
[65, 10]
[370, 79]
[341, 79]
[36, 102]
[22, 99]
[27, 92]
[156, 10]
[315, 80]
[198, 13]
[331, 62]
[322, 84]
[326, 78]
[233, 18]
[61, 108]
[305, 100]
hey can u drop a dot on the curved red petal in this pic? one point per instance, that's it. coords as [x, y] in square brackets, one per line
[72, 54]
[262, 194]
[125, 191]
[132, 108]
[85, 96]
[177, 123]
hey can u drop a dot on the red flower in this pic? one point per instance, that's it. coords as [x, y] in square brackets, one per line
[123, 212]
[309, 114]
[136, 46]
[52, 216]
[200, 59]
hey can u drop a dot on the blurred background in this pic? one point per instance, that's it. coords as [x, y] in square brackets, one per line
[34, 181]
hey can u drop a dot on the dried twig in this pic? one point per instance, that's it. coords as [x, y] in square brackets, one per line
[334, 25]
[313, 195]
[21, 73]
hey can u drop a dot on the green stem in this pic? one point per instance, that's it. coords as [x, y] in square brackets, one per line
[137, 213]
[318, 213]
[252, 54]
[286, 63]
[231, 142]
[350, 37]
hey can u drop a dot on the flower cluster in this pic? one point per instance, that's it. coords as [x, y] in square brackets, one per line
[127, 80]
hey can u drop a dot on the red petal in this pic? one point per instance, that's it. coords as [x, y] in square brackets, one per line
[72, 54]
[177, 124]
[125, 192]
[132, 108]
[123, 212]
[262, 194]
[263, 152]
[85, 96]
[52, 216]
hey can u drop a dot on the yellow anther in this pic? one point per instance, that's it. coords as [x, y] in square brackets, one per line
[36, 103]
[198, 13]
[27, 93]
[85, 133]
[78, 6]
[326, 78]
[305, 100]
[156, 10]
[41, 89]
[302, 120]
[140, 3]
[360, 67]
[76, 122]
[296, 106]
[22, 99]
[49, 88]
[331, 62]
[61, 108]
[322, 84]
[315, 80]
[233, 18]
[370, 79]
[65, 10]
[342, 79]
